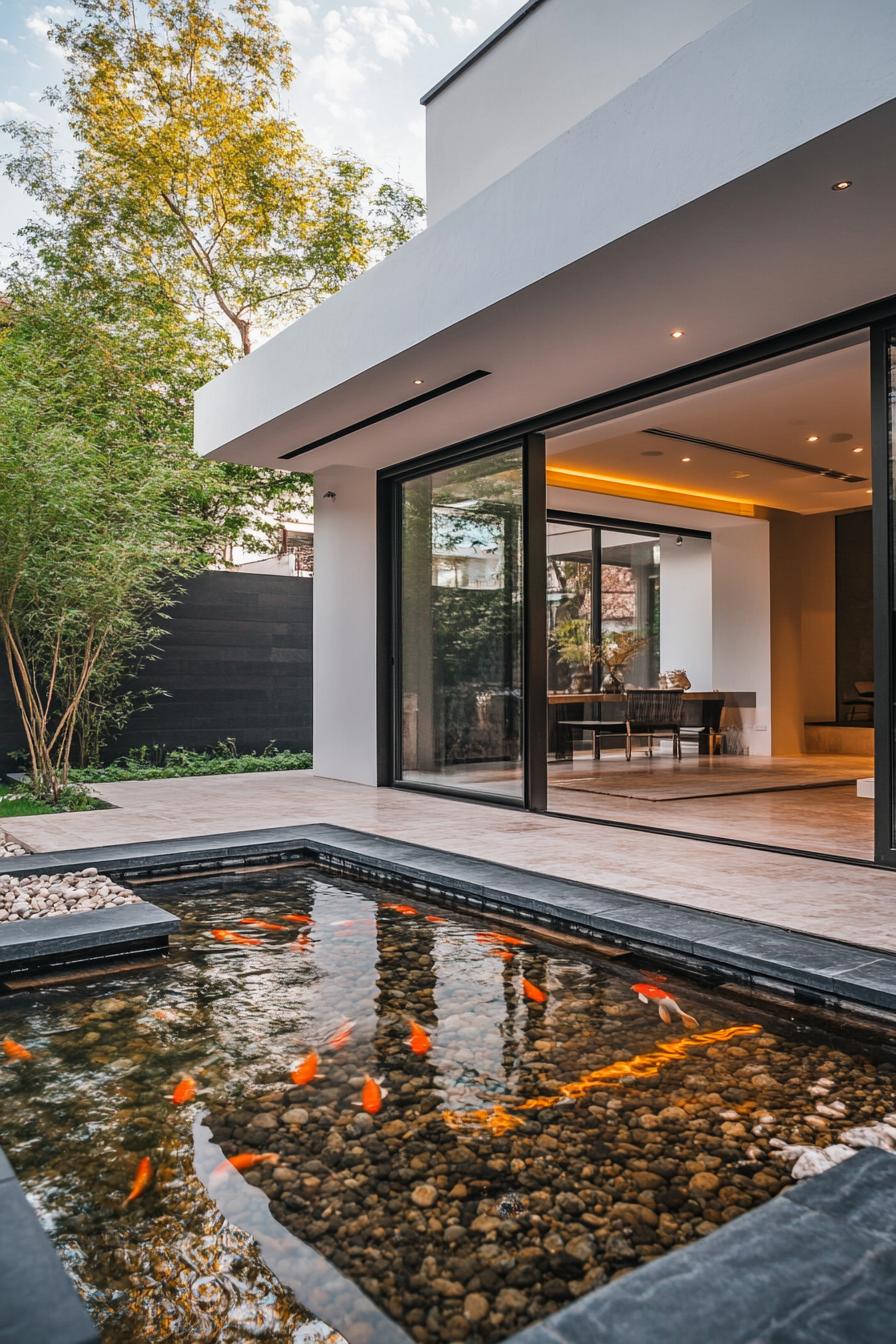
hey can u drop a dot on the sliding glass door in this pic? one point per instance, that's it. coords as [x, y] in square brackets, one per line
[461, 626]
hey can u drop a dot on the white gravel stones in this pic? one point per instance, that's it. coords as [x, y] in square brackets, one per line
[9, 848]
[40, 896]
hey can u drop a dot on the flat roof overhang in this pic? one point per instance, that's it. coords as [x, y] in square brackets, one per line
[558, 291]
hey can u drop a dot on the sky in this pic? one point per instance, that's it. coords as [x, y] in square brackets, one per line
[362, 68]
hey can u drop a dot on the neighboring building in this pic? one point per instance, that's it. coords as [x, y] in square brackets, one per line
[643, 347]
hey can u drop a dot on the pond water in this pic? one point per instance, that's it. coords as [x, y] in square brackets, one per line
[540, 1129]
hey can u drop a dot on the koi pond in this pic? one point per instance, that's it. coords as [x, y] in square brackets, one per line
[439, 1128]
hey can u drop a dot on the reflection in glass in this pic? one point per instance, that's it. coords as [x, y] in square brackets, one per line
[461, 622]
[630, 603]
[571, 632]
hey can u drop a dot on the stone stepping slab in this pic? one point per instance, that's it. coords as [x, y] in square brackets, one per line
[34, 944]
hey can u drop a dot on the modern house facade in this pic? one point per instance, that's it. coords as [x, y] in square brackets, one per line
[622, 412]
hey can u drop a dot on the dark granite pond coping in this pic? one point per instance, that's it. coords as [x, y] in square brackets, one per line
[815, 1265]
[809, 969]
[38, 1301]
[30, 944]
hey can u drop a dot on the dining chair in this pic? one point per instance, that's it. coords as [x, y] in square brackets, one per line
[653, 713]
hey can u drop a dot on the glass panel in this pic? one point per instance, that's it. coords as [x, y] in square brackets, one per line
[571, 633]
[630, 607]
[461, 621]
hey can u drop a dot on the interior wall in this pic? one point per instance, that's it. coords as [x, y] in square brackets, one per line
[786, 551]
[819, 624]
[741, 623]
[854, 604]
[686, 608]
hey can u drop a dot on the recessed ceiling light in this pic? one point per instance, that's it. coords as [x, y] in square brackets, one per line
[418, 382]
[813, 438]
[740, 475]
[685, 459]
[858, 450]
[676, 334]
[842, 185]
[867, 492]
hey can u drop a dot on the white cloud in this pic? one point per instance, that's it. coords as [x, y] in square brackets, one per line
[6, 45]
[294, 20]
[463, 27]
[8, 108]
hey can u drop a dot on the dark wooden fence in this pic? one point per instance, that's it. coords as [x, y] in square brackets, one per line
[235, 661]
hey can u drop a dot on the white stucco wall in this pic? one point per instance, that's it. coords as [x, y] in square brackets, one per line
[773, 76]
[563, 60]
[344, 678]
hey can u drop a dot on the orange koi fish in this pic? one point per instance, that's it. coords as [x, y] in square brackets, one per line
[14, 1050]
[533, 992]
[142, 1178]
[301, 944]
[226, 936]
[306, 1070]
[665, 1004]
[435, 919]
[185, 1091]
[244, 1162]
[264, 924]
[341, 1037]
[299, 919]
[164, 1014]
[419, 1039]
[371, 1096]
[402, 909]
[501, 952]
[501, 938]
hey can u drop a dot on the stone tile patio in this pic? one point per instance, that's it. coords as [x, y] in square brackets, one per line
[815, 896]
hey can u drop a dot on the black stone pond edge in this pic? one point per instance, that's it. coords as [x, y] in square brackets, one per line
[38, 1301]
[816, 1262]
[808, 970]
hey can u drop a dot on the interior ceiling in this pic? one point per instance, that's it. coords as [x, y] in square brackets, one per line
[773, 412]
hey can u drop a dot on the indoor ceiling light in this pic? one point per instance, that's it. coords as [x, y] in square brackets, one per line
[867, 492]
[685, 459]
[813, 438]
[418, 382]
[676, 334]
[841, 185]
[858, 450]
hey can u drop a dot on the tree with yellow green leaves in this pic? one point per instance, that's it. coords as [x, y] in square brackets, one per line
[191, 178]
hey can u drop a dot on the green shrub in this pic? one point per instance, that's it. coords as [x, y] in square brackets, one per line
[178, 763]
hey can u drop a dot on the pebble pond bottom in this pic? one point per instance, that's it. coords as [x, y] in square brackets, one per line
[460, 1132]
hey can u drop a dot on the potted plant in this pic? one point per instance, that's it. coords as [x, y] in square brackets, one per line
[572, 641]
[617, 648]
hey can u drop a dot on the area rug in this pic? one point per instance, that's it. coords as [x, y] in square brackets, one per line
[667, 785]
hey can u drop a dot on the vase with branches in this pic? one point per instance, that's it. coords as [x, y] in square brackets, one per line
[615, 651]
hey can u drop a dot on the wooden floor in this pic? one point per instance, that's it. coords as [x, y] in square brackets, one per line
[823, 820]
[853, 904]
